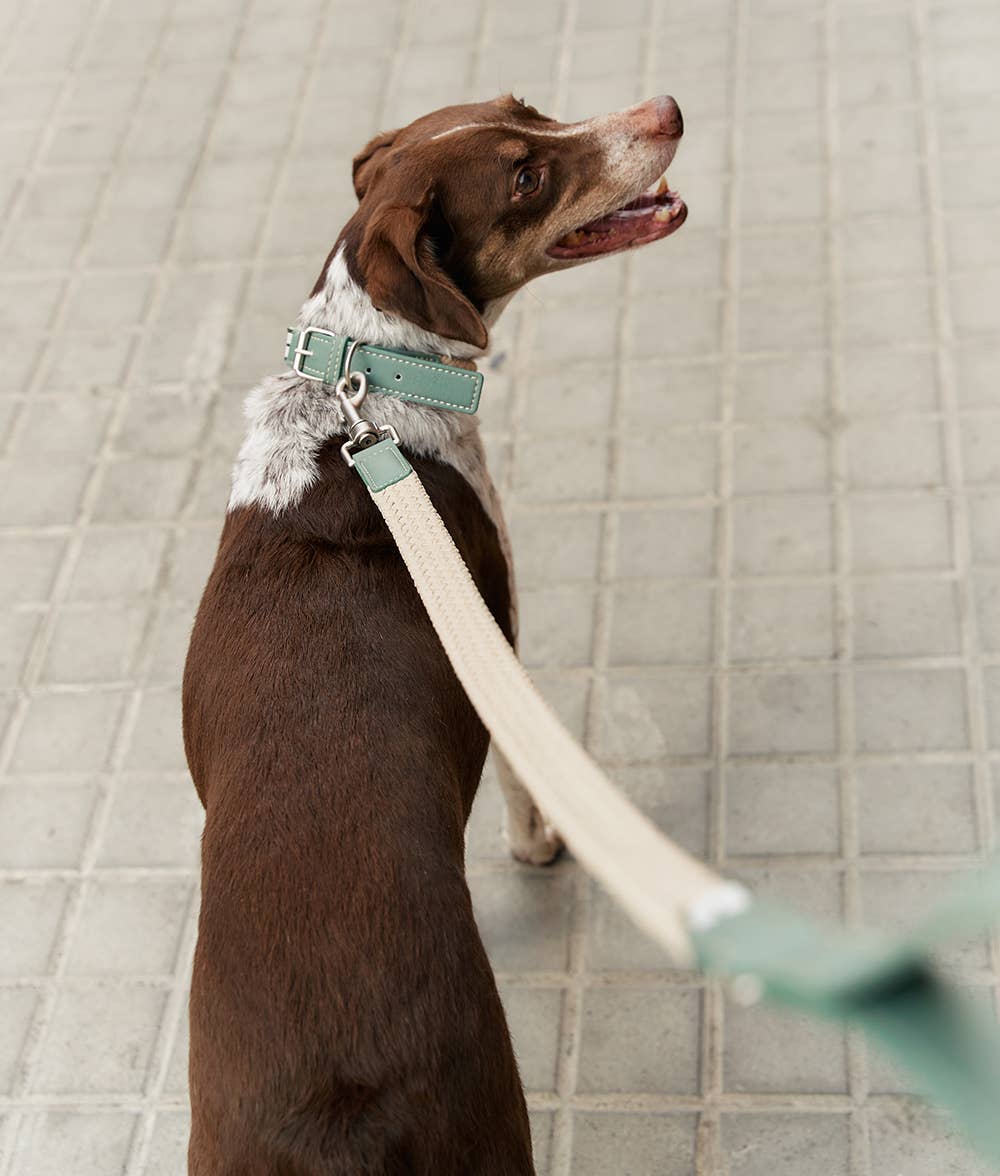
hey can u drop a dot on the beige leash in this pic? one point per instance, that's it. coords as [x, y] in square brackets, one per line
[655, 880]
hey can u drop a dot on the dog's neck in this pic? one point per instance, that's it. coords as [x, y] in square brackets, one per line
[341, 305]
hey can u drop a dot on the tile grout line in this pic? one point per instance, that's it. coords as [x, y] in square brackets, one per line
[37, 1038]
[173, 1014]
[856, 1048]
[709, 1158]
[568, 1058]
[37, 1035]
[961, 526]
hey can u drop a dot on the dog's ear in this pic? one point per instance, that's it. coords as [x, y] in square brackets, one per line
[398, 256]
[367, 160]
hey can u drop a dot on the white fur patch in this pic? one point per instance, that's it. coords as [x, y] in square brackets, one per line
[291, 418]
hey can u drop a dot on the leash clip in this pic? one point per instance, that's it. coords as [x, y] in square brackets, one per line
[352, 390]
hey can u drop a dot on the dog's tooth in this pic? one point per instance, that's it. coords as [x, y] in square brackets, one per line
[663, 214]
[661, 185]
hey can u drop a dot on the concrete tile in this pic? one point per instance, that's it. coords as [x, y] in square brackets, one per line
[541, 1140]
[883, 185]
[765, 1144]
[773, 622]
[94, 645]
[523, 918]
[897, 247]
[128, 928]
[97, 1046]
[646, 717]
[779, 458]
[889, 453]
[781, 535]
[39, 494]
[791, 386]
[900, 534]
[789, 137]
[980, 435]
[556, 626]
[910, 710]
[44, 825]
[560, 469]
[971, 240]
[674, 798]
[695, 261]
[759, 799]
[156, 743]
[136, 490]
[971, 294]
[17, 1006]
[640, 1040]
[55, 1142]
[779, 713]
[816, 893]
[886, 315]
[767, 1051]
[783, 318]
[987, 591]
[670, 464]
[784, 85]
[533, 1016]
[894, 134]
[978, 375]
[168, 644]
[895, 901]
[877, 82]
[117, 563]
[68, 729]
[154, 821]
[889, 381]
[910, 1139]
[671, 542]
[109, 301]
[665, 394]
[894, 801]
[784, 254]
[32, 913]
[781, 196]
[691, 321]
[17, 632]
[553, 547]
[899, 618]
[633, 1143]
[991, 686]
[985, 534]
[668, 624]
[192, 556]
[571, 399]
[63, 426]
[168, 1149]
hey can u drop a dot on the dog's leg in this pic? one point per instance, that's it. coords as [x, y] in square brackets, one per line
[530, 838]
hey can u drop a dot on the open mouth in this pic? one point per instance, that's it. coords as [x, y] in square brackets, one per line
[654, 214]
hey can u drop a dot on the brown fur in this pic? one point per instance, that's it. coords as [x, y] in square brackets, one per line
[338, 758]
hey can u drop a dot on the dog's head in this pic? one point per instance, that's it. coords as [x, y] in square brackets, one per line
[462, 207]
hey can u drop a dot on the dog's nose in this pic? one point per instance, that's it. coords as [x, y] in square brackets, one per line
[662, 116]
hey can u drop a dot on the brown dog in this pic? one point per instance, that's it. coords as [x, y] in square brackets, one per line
[344, 1017]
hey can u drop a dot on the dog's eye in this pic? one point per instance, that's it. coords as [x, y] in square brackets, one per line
[529, 179]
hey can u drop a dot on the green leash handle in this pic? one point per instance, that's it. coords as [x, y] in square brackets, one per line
[889, 989]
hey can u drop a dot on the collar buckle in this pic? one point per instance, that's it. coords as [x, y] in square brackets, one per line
[302, 351]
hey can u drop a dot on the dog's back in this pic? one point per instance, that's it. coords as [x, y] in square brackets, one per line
[337, 757]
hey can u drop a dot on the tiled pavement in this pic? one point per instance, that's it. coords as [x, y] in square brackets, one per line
[768, 595]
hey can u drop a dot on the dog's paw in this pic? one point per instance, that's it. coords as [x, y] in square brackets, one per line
[543, 850]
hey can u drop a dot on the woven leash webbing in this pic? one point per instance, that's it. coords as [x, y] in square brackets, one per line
[654, 879]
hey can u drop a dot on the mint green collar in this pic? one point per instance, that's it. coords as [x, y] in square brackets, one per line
[319, 355]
